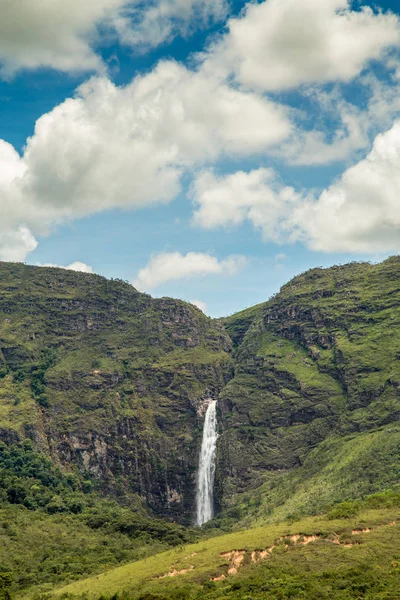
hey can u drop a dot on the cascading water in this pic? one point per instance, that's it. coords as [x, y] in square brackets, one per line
[205, 479]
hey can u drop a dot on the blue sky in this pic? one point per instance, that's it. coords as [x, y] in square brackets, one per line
[206, 150]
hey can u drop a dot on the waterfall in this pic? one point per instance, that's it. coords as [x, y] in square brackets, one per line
[205, 479]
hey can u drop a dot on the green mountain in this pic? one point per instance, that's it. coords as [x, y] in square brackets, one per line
[103, 392]
[313, 411]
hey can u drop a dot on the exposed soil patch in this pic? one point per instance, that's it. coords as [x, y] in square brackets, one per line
[218, 578]
[359, 531]
[236, 558]
[174, 572]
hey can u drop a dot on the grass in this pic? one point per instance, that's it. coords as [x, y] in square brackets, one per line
[338, 469]
[380, 545]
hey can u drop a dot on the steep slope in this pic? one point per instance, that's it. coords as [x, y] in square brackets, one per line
[319, 362]
[110, 380]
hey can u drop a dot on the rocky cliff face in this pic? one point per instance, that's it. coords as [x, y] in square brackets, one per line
[108, 379]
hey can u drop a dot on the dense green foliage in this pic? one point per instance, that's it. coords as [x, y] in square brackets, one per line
[108, 379]
[102, 396]
[29, 478]
[53, 527]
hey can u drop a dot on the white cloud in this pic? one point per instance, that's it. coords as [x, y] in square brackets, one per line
[63, 35]
[340, 129]
[170, 266]
[112, 147]
[282, 44]
[329, 144]
[75, 266]
[361, 212]
[51, 33]
[230, 200]
[161, 20]
[15, 245]
[200, 304]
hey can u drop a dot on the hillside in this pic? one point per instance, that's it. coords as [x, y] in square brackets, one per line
[332, 556]
[100, 376]
[313, 411]
[103, 392]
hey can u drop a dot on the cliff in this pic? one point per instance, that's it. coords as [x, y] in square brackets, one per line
[108, 379]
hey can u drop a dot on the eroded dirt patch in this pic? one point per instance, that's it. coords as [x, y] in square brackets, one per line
[236, 558]
[360, 531]
[175, 572]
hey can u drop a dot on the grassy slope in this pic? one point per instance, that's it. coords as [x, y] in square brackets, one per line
[337, 469]
[289, 563]
[42, 550]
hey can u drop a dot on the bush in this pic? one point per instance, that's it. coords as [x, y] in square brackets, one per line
[344, 510]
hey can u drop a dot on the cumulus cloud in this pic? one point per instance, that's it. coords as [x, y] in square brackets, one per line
[15, 245]
[149, 25]
[63, 35]
[360, 213]
[340, 129]
[112, 147]
[75, 266]
[330, 143]
[170, 266]
[257, 196]
[282, 44]
[51, 33]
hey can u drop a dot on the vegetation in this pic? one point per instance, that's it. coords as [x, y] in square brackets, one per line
[351, 553]
[102, 393]
[54, 527]
[311, 415]
[109, 380]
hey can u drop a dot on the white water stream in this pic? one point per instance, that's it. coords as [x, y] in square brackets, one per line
[205, 479]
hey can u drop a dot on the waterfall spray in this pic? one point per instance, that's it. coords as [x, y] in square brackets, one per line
[205, 479]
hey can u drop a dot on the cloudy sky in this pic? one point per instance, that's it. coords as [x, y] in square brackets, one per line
[201, 149]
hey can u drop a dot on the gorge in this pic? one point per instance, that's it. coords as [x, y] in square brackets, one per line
[114, 385]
